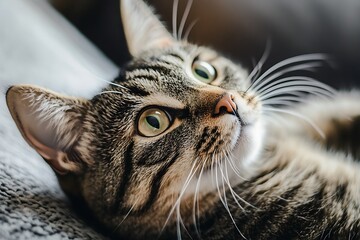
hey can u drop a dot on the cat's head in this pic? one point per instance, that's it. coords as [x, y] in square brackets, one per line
[177, 122]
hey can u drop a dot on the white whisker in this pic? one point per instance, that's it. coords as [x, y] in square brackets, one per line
[184, 18]
[293, 80]
[178, 227]
[304, 67]
[296, 85]
[289, 99]
[192, 172]
[189, 29]
[125, 217]
[290, 90]
[289, 61]
[283, 103]
[258, 67]
[227, 181]
[174, 18]
[236, 170]
[117, 85]
[196, 203]
[223, 200]
[233, 193]
[106, 92]
[317, 129]
[229, 157]
[180, 223]
[294, 94]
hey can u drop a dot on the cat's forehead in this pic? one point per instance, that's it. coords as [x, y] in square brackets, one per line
[174, 65]
[183, 50]
[167, 75]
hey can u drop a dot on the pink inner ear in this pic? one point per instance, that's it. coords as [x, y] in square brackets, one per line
[41, 117]
[54, 157]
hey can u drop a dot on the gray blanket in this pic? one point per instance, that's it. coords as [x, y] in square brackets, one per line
[37, 46]
[32, 205]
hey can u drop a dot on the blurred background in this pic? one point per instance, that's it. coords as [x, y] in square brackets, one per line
[240, 29]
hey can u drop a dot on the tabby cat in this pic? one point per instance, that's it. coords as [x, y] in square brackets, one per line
[183, 145]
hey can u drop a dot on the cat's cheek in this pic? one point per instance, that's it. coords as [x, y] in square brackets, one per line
[249, 145]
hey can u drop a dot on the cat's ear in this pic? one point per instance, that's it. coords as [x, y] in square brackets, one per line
[143, 30]
[50, 123]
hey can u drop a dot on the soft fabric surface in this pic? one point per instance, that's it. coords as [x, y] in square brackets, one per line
[31, 204]
[39, 47]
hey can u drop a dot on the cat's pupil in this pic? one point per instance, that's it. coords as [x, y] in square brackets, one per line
[153, 122]
[201, 73]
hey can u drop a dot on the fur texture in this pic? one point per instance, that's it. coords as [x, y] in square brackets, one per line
[229, 165]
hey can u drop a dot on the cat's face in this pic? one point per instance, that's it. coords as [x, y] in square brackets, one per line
[178, 122]
[184, 111]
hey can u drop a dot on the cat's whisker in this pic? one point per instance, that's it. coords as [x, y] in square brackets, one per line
[178, 227]
[236, 170]
[222, 196]
[227, 181]
[184, 18]
[106, 81]
[117, 85]
[196, 202]
[229, 156]
[189, 29]
[257, 69]
[180, 223]
[174, 18]
[295, 95]
[212, 168]
[223, 199]
[107, 92]
[191, 174]
[306, 119]
[282, 103]
[229, 160]
[216, 167]
[289, 61]
[300, 67]
[125, 217]
[235, 196]
[289, 99]
[290, 90]
[82, 65]
[295, 80]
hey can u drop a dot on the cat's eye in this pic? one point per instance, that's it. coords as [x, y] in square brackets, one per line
[203, 71]
[152, 122]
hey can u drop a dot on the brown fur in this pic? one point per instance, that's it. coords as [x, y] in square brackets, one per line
[215, 173]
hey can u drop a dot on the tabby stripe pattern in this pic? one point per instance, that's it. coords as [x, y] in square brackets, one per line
[121, 190]
[156, 183]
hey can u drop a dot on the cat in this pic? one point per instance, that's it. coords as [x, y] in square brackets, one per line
[182, 144]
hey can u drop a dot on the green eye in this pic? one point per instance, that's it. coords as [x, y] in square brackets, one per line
[153, 122]
[204, 71]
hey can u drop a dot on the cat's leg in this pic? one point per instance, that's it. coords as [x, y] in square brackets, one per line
[337, 120]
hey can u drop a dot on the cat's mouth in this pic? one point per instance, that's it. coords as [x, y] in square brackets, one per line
[239, 118]
[225, 151]
[217, 142]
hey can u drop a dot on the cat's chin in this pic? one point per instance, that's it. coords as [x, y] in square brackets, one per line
[230, 171]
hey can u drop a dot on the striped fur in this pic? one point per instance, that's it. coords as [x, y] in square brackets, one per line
[240, 175]
[300, 187]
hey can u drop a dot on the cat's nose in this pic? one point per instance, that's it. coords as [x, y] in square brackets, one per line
[226, 104]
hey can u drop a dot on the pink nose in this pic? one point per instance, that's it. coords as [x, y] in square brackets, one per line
[226, 103]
